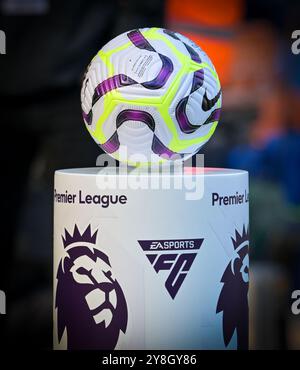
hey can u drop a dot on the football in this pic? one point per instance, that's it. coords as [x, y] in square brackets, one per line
[151, 95]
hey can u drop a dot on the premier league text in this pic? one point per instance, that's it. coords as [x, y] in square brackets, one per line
[81, 198]
[229, 199]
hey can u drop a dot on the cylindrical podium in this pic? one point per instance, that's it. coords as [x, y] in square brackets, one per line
[151, 261]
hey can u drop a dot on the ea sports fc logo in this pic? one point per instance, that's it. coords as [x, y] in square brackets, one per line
[176, 256]
[90, 304]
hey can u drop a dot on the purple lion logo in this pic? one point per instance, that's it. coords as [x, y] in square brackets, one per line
[90, 303]
[233, 300]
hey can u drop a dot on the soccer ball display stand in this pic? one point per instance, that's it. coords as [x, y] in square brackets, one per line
[141, 263]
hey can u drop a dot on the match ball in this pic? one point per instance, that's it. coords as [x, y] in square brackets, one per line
[151, 95]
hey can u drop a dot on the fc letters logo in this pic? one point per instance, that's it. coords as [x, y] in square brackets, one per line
[176, 256]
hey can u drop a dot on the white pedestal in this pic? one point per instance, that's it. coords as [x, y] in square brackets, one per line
[150, 268]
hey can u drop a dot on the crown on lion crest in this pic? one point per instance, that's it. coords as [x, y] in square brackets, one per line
[86, 236]
[240, 238]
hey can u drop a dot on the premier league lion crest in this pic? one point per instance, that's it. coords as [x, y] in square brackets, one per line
[90, 303]
[233, 300]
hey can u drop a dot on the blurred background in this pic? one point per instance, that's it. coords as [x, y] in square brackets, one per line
[48, 46]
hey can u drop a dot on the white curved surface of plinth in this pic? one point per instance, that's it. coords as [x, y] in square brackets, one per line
[176, 257]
